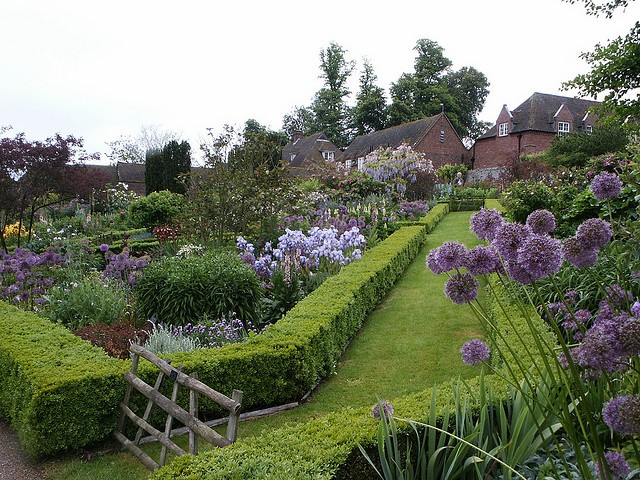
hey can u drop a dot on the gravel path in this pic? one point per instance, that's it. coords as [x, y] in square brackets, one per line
[14, 463]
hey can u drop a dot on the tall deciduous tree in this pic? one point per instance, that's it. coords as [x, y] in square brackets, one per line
[329, 107]
[434, 87]
[128, 149]
[369, 114]
[257, 146]
[615, 73]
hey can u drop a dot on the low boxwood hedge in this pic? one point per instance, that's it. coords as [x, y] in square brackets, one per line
[58, 391]
[61, 393]
[326, 447]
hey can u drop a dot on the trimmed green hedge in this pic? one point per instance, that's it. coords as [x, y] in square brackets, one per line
[61, 393]
[326, 447]
[58, 391]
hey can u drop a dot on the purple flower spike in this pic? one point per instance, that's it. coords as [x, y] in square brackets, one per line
[606, 185]
[622, 414]
[461, 288]
[387, 410]
[541, 221]
[474, 352]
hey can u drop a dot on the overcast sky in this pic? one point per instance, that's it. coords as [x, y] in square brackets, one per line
[101, 70]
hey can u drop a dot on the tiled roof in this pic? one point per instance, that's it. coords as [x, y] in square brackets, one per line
[537, 113]
[306, 148]
[409, 133]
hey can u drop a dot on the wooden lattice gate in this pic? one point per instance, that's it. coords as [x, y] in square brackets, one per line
[189, 419]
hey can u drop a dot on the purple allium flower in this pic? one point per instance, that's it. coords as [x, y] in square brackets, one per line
[482, 260]
[618, 296]
[541, 221]
[629, 334]
[578, 319]
[509, 237]
[387, 410]
[606, 185]
[474, 352]
[540, 255]
[461, 288]
[618, 466]
[576, 254]
[635, 309]
[594, 233]
[104, 248]
[622, 414]
[448, 256]
[600, 348]
[485, 223]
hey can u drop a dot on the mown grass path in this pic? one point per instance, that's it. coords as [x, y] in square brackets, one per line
[410, 342]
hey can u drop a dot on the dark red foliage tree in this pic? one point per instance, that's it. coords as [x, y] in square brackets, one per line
[31, 171]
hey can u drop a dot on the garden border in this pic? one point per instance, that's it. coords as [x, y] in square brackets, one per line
[61, 393]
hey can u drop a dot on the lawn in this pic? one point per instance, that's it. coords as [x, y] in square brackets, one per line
[409, 343]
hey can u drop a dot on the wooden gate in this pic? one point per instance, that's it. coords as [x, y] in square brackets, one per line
[189, 419]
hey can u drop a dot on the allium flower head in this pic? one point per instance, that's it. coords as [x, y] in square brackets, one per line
[482, 260]
[387, 410]
[606, 185]
[104, 247]
[461, 288]
[635, 309]
[540, 256]
[618, 466]
[474, 352]
[541, 221]
[576, 254]
[594, 233]
[622, 414]
[508, 239]
[448, 256]
[485, 223]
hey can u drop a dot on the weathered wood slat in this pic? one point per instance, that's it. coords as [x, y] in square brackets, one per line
[169, 422]
[193, 411]
[232, 426]
[186, 380]
[147, 410]
[133, 448]
[171, 408]
[155, 433]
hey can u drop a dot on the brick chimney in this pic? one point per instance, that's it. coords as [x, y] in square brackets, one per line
[296, 135]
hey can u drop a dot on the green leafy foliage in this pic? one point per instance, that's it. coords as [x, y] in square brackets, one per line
[524, 197]
[182, 290]
[89, 301]
[156, 209]
[576, 148]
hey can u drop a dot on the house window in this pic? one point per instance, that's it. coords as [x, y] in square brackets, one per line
[328, 155]
[563, 128]
[293, 156]
[503, 129]
[360, 164]
[348, 164]
[589, 129]
[441, 136]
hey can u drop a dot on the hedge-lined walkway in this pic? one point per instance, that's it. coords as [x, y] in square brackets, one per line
[410, 342]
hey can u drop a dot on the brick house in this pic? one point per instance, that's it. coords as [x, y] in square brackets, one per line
[434, 136]
[301, 153]
[529, 128]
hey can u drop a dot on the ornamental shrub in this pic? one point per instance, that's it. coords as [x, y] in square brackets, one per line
[182, 290]
[156, 209]
[87, 302]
